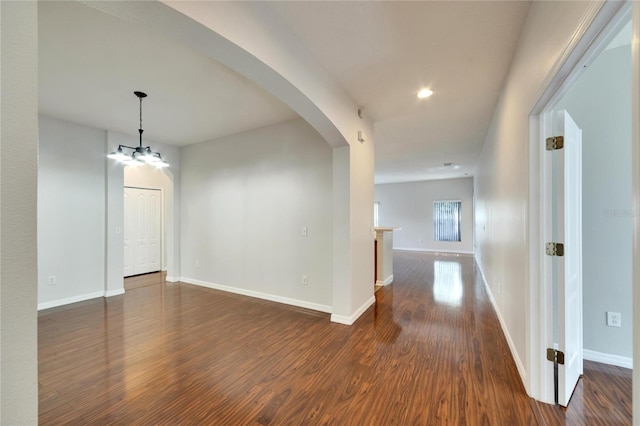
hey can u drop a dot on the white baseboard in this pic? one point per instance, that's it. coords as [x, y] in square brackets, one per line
[69, 300]
[388, 281]
[503, 325]
[171, 279]
[351, 319]
[617, 360]
[115, 292]
[259, 295]
[433, 250]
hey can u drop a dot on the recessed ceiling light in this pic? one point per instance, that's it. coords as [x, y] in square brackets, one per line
[425, 93]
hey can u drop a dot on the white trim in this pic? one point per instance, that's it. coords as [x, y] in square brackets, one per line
[503, 325]
[588, 41]
[351, 319]
[69, 300]
[617, 360]
[635, 170]
[171, 279]
[115, 292]
[259, 295]
[433, 250]
[388, 281]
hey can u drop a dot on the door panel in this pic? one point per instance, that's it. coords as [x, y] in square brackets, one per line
[152, 209]
[141, 233]
[128, 233]
[568, 220]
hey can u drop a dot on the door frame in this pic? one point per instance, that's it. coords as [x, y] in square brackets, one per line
[635, 173]
[599, 25]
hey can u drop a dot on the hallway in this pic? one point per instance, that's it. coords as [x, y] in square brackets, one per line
[429, 352]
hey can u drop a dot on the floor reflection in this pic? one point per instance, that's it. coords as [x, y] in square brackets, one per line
[387, 330]
[447, 282]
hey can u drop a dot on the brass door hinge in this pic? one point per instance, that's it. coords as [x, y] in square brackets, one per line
[555, 249]
[554, 355]
[554, 142]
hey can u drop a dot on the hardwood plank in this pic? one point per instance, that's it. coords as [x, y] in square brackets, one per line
[602, 397]
[424, 354]
[144, 280]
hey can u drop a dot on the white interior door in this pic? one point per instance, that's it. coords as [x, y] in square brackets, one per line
[568, 268]
[129, 230]
[142, 231]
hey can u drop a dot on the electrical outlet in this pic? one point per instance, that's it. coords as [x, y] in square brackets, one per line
[304, 231]
[52, 280]
[614, 319]
[305, 280]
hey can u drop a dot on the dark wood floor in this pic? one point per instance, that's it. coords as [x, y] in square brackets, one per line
[430, 351]
[144, 280]
[602, 397]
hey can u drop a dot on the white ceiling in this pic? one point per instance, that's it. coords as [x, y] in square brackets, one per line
[382, 53]
[90, 63]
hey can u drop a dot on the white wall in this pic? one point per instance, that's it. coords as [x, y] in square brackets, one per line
[81, 212]
[266, 53]
[114, 229]
[18, 177]
[245, 199]
[361, 193]
[410, 206]
[71, 212]
[600, 103]
[501, 182]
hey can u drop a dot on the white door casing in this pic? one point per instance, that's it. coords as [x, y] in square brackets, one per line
[142, 230]
[568, 227]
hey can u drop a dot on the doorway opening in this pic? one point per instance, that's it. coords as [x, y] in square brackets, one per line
[148, 226]
[594, 86]
[142, 231]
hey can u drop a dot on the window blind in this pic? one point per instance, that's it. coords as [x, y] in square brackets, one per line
[446, 220]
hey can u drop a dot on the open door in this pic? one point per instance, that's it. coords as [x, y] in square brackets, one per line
[567, 268]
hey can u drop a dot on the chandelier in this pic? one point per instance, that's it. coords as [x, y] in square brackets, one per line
[138, 155]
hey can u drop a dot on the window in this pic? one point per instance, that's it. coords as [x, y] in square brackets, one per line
[376, 206]
[446, 220]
